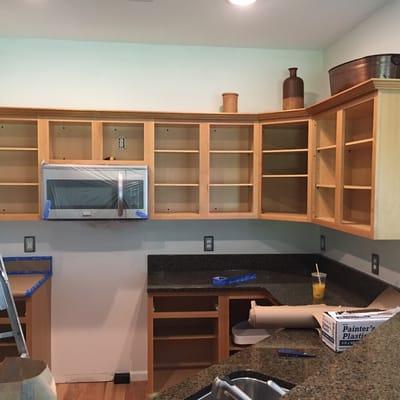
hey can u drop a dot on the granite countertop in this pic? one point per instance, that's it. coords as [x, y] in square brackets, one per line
[286, 288]
[368, 371]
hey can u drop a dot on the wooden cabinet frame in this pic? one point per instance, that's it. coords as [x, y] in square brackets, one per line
[385, 191]
[220, 315]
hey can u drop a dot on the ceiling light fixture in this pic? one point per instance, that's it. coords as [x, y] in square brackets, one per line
[242, 3]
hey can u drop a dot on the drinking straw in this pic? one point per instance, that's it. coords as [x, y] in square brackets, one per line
[319, 276]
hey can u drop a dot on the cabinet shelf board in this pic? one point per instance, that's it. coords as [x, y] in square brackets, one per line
[232, 151]
[356, 225]
[168, 215]
[186, 337]
[324, 186]
[176, 151]
[286, 176]
[330, 147]
[363, 142]
[232, 215]
[183, 314]
[7, 344]
[176, 184]
[285, 216]
[356, 187]
[18, 149]
[19, 184]
[19, 217]
[229, 184]
[285, 151]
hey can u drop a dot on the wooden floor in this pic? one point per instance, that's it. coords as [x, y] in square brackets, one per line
[101, 391]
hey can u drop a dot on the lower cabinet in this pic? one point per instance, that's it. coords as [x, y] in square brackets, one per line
[191, 331]
[35, 315]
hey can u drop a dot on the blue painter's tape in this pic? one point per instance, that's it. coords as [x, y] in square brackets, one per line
[142, 215]
[29, 292]
[46, 209]
[31, 258]
[223, 281]
[34, 258]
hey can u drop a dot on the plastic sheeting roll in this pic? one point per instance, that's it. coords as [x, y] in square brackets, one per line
[310, 316]
[288, 316]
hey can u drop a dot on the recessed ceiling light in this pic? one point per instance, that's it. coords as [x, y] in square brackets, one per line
[242, 3]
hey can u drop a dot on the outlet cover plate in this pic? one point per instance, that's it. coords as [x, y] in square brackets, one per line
[322, 243]
[208, 243]
[375, 264]
[29, 244]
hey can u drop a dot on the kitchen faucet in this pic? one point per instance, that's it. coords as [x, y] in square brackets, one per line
[224, 385]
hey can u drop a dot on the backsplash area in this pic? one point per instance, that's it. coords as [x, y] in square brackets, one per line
[356, 252]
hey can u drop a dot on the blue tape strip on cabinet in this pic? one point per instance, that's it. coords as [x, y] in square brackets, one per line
[142, 215]
[46, 209]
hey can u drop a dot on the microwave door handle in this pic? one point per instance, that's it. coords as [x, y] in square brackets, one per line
[120, 203]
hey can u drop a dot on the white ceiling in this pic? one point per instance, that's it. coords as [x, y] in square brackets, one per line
[302, 24]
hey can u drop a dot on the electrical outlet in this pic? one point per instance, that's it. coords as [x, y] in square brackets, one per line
[375, 264]
[122, 378]
[208, 243]
[322, 243]
[29, 244]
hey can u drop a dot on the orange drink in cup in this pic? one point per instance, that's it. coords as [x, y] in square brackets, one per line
[318, 285]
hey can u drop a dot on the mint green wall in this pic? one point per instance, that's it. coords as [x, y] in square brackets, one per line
[72, 74]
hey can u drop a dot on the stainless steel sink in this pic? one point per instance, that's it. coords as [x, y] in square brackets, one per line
[254, 384]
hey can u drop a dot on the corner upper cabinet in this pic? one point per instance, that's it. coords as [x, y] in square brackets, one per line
[286, 167]
[356, 176]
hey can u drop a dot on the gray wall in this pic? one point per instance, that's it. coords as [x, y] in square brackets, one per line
[99, 283]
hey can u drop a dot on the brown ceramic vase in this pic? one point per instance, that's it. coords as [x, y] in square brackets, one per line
[293, 91]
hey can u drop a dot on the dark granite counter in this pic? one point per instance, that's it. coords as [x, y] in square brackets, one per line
[287, 278]
[369, 370]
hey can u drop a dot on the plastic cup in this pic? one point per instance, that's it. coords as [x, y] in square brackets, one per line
[318, 285]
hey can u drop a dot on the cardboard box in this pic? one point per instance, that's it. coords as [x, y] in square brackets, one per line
[340, 330]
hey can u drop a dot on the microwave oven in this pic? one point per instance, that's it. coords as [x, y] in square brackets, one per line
[94, 192]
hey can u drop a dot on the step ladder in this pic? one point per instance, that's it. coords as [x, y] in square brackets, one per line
[7, 303]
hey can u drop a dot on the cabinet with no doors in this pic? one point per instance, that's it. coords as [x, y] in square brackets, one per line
[334, 163]
[19, 169]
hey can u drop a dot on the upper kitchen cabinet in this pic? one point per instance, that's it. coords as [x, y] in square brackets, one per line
[233, 170]
[286, 167]
[94, 142]
[325, 180]
[176, 177]
[123, 142]
[357, 143]
[19, 170]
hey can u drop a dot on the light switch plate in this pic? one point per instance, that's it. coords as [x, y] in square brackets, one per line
[29, 244]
